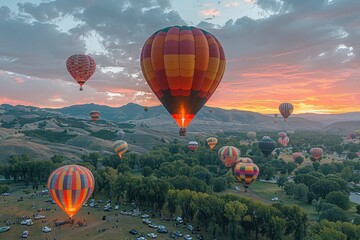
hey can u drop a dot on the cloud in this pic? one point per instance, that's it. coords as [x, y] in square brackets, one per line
[233, 4]
[210, 12]
[304, 51]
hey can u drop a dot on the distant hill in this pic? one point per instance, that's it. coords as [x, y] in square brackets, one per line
[70, 131]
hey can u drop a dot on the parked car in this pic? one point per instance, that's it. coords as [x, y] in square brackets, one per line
[117, 207]
[152, 235]
[25, 234]
[4, 229]
[140, 238]
[190, 227]
[274, 199]
[28, 222]
[46, 229]
[178, 233]
[144, 216]
[146, 221]
[152, 225]
[199, 236]
[133, 231]
[162, 230]
[179, 220]
[5, 194]
[187, 237]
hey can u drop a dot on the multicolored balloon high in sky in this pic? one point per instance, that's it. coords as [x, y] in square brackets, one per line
[71, 186]
[183, 67]
[81, 67]
[286, 109]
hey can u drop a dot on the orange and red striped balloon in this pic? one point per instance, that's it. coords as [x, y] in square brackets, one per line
[95, 115]
[71, 186]
[81, 67]
[183, 66]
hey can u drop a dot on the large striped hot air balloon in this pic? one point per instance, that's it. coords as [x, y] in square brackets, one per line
[284, 141]
[316, 153]
[286, 109]
[71, 186]
[95, 115]
[267, 145]
[183, 66]
[246, 173]
[229, 155]
[251, 135]
[81, 67]
[193, 145]
[212, 141]
[120, 147]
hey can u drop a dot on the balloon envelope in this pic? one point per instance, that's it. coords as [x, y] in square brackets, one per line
[246, 173]
[81, 67]
[284, 141]
[295, 155]
[71, 186]
[95, 115]
[183, 67]
[120, 134]
[193, 145]
[267, 145]
[286, 109]
[120, 147]
[212, 141]
[229, 155]
[245, 160]
[316, 153]
[251, 135]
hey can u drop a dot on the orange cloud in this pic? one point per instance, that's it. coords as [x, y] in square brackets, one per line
[210, 12]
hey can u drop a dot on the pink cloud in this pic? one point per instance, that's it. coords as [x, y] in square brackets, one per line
[18, 80]
[210, 12]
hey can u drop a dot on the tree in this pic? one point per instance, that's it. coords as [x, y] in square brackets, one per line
[300, 192]
[290, 167]
[333, 214]
[123, 168]
[346, 173]
[281, 181]
[289, 188]
[146, 171]
[338, 198]
[234, 211]
[277, 228]
[219, 184]
[299, 160]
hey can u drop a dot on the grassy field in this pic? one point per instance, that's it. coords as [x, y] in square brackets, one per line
[116, 226]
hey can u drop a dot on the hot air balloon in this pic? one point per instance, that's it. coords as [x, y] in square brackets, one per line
[316, 153]
[267, 145]
[94, 115]
[212, 141]
[120, 134]
[193, 145]
[284, 141]
[146, 108]
[81, 67]
[246, 173]
[357, 131]
[183, 66]
[275, 115]
[282, 134]
[286, 109]
[245, 160]
[120, 147]
[251, 135]
[229, 155]
[295, 155]
[71, 186]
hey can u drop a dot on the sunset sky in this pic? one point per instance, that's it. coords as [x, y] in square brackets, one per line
[306, 52]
